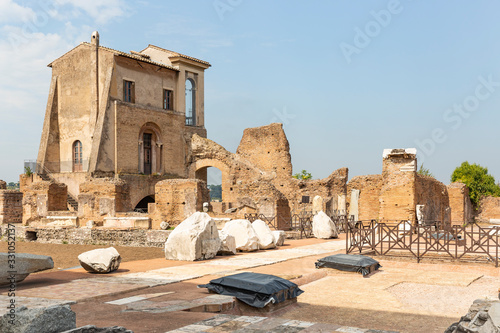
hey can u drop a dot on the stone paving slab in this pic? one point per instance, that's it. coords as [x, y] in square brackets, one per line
[79, 290]
[251, 324]
[30, 302]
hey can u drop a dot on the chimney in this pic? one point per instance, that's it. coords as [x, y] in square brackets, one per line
[95, 38]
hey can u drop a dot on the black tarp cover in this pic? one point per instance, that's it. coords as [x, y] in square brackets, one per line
[254, 289]
[349, 262]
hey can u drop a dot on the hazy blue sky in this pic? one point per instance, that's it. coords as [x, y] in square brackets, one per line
[347, 78]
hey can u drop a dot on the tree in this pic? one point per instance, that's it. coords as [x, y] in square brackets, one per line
[303, 175]
[215, 192]
[424, 171]
[478, 180]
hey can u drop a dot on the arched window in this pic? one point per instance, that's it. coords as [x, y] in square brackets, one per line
[77, 156]
[190, 103]
[150, 149]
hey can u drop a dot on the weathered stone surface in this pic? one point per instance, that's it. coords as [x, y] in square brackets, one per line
[25, 263]
[354, 204]
[3, 185]
[11, 206]
[94, 329]
[90, 224]
[420, 209]
[206, 207]
[51, 319]
[323, 226]
[164, 225]
[100, 260]
[317, 204]
[243, 233]
[227, 245]
[483, 317]
[279, 237]
[195, 238]
[265, 235]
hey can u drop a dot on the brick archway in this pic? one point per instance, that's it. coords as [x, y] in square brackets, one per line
[198, 170]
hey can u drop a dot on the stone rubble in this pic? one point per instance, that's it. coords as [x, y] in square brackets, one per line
[279, 237]
[483, 317]
[195, 238]
[57, 318]
[100, 260]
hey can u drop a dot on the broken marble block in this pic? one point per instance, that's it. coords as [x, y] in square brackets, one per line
[23, 264]
[243, 233]
[100, 260]
[323, 226]
[56, 318]
[227, 245]
[279, 237]
[265, 235]
[195, 238]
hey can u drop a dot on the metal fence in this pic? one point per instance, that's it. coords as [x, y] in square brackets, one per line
[54, 167]
[297, 221]
[457, 242]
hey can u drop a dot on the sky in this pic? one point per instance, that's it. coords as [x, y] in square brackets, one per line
[346, 78]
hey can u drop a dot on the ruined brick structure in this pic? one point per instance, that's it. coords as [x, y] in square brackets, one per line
[489, 210]
[460, 204]
[394, 195]
[11, 209]
[42, 197]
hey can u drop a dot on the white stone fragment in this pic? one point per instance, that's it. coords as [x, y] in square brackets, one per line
[196, 238]
[279, 237]
[243, 233]
[323, 226]
[100, 260]
[227, 245]
[265, 235]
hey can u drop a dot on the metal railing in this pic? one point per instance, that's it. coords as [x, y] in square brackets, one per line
[457, 242]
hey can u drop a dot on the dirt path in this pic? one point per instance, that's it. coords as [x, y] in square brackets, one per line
[66, 255]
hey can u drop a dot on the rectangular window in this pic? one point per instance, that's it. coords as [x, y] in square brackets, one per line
[128, 91]
[168, 99]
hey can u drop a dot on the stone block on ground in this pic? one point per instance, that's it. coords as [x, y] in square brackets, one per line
[195, 238]
[323, 226]
[100, 260]
[265, 235]
[227, 245]
[57, 318]
[244, 235]
[279, 237]
[24, 264]
[483, 317]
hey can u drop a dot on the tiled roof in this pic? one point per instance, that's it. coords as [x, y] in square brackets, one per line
[176, 54]
[124, 54]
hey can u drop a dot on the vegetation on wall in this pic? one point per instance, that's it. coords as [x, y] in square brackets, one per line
[303, 175]
[424, 171]
[478, 180]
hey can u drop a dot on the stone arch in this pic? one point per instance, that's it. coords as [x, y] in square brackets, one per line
[150, 149]
[198, 170]
[142, 205]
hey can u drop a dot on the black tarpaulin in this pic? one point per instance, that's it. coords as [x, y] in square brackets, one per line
[257, 290]
[350, 263]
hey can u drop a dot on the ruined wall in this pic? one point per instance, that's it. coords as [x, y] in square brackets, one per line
[3, 185]
[11, 206]
[369, 195]
[397, 195]
[434, 195]
[489, 209]
[177, 199]
[460, 204]
[101, 197]
[41, 197]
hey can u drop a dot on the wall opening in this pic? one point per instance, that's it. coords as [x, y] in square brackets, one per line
[142, 206]
[190, 103]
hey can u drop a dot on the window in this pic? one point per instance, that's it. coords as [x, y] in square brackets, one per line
[190, 103]
[77, 156]
[168, 99]
[128, 91]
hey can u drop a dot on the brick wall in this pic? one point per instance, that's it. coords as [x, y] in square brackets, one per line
[489, 208]
[11, 206]
[177, 199]
[434, 195]
[460, 204]
[369, 195]
[41, 197]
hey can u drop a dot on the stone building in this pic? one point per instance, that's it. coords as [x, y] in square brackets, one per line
[111, 113]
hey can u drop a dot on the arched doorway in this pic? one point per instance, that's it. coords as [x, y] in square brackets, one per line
[142, 206]
[150, 149]
[214, 183]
